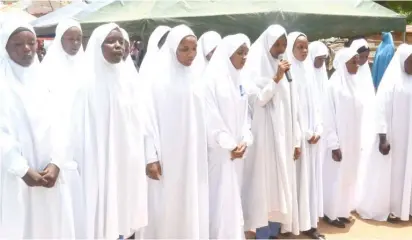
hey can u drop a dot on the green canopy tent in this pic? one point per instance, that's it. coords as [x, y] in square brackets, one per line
[316, 18]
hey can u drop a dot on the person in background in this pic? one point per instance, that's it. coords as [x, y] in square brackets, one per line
[176, 144]
[129, 65]
[383, 56]
[207, 45]
[41, 51]
[35, 202]
[229, 136]
[156, 41]
[269, 176]
[309, 187]
[62, 69]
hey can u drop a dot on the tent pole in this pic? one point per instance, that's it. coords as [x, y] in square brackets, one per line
[404, 37]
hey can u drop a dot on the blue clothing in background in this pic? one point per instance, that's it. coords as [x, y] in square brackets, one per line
[383, 56]
[272, 230]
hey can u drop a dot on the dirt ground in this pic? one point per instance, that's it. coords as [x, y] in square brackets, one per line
[364, 229]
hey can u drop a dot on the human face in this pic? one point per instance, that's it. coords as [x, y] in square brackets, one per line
[300, 49]
[72, 40]
[363, 57]
[408, 65]
[238, 58]
[319, 61]
[126, 50]
[22, 48]
[113, 47]
[210, 54]
[279, 47]
[353, 65]
[186, 51]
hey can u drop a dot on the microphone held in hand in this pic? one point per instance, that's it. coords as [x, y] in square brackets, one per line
[287, 73]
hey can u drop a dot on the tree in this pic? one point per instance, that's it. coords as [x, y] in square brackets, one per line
[401, 7]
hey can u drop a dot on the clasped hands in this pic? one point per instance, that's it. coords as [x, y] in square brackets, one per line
[47, 178]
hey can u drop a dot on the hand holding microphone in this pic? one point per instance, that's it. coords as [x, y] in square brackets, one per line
[283, 69]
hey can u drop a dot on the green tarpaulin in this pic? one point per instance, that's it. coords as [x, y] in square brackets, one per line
[316, 18]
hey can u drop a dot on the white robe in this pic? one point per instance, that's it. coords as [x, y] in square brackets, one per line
[228, 126]
[269, 191]
[63, 74]
[344, 121]
[393, 193]
[311, 125]
[178, 202]
[107, 140]
[26, 119]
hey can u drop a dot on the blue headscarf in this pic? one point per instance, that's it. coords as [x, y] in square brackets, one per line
[383, 56]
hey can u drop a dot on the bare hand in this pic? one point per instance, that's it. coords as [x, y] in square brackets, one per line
[34, 179]
[312, 140]
[283, 67]
[154, 170]
[337, 155]
[316, 139]
[296, 154]
[238, 152]
[384, 147]
[50, 174]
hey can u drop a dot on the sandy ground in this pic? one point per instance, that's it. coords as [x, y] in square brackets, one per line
[363, 229]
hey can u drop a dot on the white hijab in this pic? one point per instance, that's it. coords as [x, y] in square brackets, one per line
[149, 60]
[349, 82]
[61, 69]
[9, 70]
[364, 71]
[301, 71]
[261, 66]
[207, 42]
[317, 49]
[395, 73]
[223, 79]
[130, 68]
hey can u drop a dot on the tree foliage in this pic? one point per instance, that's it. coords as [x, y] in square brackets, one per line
[401, 7]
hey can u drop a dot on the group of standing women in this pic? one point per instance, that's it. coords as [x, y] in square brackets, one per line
[209, 140]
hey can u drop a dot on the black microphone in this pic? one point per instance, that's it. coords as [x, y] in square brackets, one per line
[287, 73]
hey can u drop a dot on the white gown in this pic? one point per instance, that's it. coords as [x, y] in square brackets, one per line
[309, 118]
[344, 121]
[26, 119]
[107, 140]
[62, 74]
[269, 190]
[394, 105]
[178, 202]
[228, 126]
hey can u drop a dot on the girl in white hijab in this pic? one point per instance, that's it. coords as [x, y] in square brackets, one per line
[269, 167]
[229, 128]
[108, 140]
[205, 48]
[307, 169]
[177, 147]
[392, 195]
[35, 202]
[344, 123]
[318, 54]
[156, 41]
[64, 68]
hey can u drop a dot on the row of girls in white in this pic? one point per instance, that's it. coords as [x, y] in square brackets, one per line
[209, 141]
